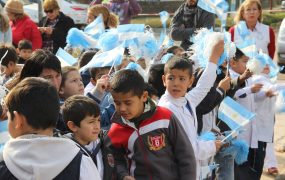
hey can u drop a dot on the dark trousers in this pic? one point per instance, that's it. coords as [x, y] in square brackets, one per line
[252, 168]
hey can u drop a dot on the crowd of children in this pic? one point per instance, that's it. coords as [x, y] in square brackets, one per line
[138, 119]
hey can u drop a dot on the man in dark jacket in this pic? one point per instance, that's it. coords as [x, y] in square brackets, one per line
[187, 19]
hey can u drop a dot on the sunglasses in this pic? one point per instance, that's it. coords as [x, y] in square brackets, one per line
[49, 11]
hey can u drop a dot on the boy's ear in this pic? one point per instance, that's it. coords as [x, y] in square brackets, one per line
[72, 126]
[163, 80]
[144, 96]
[93, 81]
[232, 63]
[20, 120]
[192, 78]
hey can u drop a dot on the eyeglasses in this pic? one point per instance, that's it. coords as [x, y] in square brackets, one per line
[49, 11]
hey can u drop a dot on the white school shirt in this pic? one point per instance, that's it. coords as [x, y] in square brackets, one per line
[260, 34]
[202, 149]
[265, 107]
[245, 97]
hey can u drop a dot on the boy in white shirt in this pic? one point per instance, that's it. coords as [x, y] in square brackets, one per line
[177, 79]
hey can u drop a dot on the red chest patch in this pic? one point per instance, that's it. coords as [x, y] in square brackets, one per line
[155, 143]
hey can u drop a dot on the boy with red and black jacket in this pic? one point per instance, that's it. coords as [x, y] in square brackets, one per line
[149, 136]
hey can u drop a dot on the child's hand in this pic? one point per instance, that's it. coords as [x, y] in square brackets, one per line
[245, 75]
[218, 144]
[217, 51]
[256, 87]
[129, 178]
[225, 83]
[102, 84]
[270, 93]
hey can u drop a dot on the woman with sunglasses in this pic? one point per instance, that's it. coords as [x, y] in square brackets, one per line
[54, 26]
[21, 24]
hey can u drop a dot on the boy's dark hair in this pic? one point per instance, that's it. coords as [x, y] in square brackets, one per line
[176, 62]
[238, 54]
[37, 100]
[85, 57]
[126, 80]
[11, 55]
[40, 59]
[96, 70]
[25, 44]
[155, 78]
[77, 107]
[173, 48]
[150, 90]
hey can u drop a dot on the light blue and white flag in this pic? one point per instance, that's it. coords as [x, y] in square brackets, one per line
[77, 38]
[95, 28]
[130, 31]
[4, 134]
[164, 15]
[65, 58]
[243, 30]
[233, 114]
[207, 170]
[109, 58]
[218, 7]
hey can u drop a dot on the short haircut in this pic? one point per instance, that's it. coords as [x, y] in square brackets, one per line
[37, 100]
[239, 54]
[176, 62]
[11, 55]
[25, 44]
[172, 49]
[96, 70]
[155, 78]
[40, 59]
[86, 57]
[50, 5]
[77, 107]
[126, 80]
[65, 70]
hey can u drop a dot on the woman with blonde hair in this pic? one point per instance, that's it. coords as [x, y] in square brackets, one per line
[109, 18]
[21, 24]
[54, 26]
[5, 29]
[250, 12]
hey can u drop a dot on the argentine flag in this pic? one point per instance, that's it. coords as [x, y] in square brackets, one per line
[130, 31]
[96, 27]
[108, 58]
[65, 58]
[233, 114]
[4, 134]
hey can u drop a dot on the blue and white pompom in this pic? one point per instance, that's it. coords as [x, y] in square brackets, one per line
[108, 41]
[207, 136]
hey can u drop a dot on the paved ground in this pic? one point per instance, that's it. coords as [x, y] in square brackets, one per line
[279, 141]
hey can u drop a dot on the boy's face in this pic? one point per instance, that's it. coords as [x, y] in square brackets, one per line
[239, 66]
[25, 53]
[73, 85]
[177, 81]
[9, 69]
[88, 130]
[129, 106]
[52, 76]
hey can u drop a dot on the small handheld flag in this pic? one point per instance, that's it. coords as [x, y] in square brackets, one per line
[65, 58]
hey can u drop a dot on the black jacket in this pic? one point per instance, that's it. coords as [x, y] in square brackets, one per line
[60, 30]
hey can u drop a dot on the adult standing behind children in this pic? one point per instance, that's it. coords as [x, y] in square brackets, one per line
[32, 152]
[125, 9]
[22, 26]
[54, 26]
[5, 29]
[250, 11]
[110, 19]
[187, 19]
